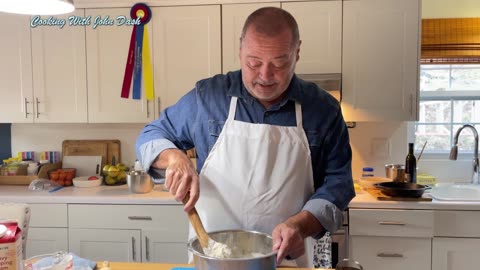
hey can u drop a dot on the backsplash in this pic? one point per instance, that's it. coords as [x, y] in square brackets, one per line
[373, 144]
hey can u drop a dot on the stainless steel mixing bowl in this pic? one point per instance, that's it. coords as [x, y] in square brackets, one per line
[139, 182]
[250, 250]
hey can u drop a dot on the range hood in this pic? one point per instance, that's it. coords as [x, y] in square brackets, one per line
[330, 82]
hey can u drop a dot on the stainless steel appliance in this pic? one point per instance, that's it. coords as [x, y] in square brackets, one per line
[340, 241]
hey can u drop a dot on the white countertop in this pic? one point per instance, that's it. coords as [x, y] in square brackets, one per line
[121, 195]
[365, 200]
[93, 195]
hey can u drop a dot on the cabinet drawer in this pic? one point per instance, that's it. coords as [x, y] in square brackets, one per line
[48, 215]
[393, 253]
[410, 223]
[457, 223]
[165, 217]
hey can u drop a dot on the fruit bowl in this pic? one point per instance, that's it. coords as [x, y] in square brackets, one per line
[87, 181]
[63, 176]
[115, 175]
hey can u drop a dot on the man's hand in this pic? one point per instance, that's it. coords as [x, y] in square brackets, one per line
[288, 241]
[180, 176]
[288, 237]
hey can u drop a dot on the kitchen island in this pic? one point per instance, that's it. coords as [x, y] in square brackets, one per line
[161, 266]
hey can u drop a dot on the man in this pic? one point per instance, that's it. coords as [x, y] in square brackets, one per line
[273, 151]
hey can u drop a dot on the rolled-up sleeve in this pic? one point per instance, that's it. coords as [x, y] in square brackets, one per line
[174, 129]
[332, 197]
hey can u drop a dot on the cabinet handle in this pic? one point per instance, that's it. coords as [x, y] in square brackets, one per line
[148, 111]
[26, 108]
[159, 105]
[411, 104]
[395, 223]
[139, 217]
[134, 252]
[38, 112]
[147, 248]
[390, 255]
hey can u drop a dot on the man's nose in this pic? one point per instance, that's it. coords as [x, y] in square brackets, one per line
[267, 72]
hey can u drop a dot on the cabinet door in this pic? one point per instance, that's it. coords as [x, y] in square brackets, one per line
[320, 26]
[46, 240]
[380, 60]
[59, 72]
[393, 253]
[233, 18]
[186, 48]
[107, 50]
[15, 69]
[105, 245]
[164, 246]
[455, 253]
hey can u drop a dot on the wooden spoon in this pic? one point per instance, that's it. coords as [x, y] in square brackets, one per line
[197, 224]
[210, 247]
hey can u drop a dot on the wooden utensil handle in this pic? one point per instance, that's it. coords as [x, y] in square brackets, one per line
[197, 224]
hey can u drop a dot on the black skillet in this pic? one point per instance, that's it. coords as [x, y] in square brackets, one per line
[402, 189]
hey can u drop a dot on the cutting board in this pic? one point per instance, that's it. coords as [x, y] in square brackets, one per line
[382, 197]
[107, 149]
[85, 165]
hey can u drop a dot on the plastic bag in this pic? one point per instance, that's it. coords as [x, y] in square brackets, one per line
[42, 184]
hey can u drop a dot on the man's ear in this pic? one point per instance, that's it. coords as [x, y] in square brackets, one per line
[298, 50]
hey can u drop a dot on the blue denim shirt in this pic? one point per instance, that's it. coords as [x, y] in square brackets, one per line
[197, 119]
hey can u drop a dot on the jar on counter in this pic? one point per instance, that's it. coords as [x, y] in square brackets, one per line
[367, 172]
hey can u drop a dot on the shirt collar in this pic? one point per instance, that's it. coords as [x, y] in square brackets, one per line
[237, 89]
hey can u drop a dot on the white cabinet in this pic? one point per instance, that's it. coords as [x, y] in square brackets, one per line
[48, 229]
[59, 73]
[391, 239]
[107, 50]
[139, 233]
[186, 48]
[457, 240]
[380, 60]
[233, 18]
[320, 26]
[16, 89]
[105, 244]
[319, 23]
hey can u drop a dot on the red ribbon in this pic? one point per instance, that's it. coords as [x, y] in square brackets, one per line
[127, 79]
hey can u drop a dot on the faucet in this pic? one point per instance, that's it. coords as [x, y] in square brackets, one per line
[454, 151]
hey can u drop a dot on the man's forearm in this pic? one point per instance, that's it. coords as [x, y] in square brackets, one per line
[167, 157]
[305, 223]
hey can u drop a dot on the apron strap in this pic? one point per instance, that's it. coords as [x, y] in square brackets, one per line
[233, 108]
[298, 113]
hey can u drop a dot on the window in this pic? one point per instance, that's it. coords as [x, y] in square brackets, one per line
[449, 98]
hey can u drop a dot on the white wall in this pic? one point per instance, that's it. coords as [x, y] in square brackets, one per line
[450, 8]
[49, 137]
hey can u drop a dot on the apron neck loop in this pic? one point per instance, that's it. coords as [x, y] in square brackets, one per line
[298, 113]
[233, 108]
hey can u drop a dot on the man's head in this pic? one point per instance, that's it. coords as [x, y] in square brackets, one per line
[269, 50]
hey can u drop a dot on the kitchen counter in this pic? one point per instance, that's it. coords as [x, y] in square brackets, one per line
[162, 266]
[93, 195]
[121, 195]
[365, 200]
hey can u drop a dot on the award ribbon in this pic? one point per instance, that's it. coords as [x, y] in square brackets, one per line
[138, 61]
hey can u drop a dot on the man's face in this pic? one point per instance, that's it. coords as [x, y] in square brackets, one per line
[268, 64]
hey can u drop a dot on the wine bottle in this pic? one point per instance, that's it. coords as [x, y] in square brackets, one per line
[411, 165]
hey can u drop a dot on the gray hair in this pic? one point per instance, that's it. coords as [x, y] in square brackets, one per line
[271, 21]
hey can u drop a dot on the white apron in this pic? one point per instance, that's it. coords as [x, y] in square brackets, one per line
[255, 177]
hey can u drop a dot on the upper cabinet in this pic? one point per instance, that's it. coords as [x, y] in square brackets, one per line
[320, 26]
[319, 23]
[16, 90]
[233, 18]
[186, 48]
[59, 72]
[107, 50]
[380, 60]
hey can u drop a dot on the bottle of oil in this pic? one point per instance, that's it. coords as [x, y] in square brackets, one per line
[411, 165]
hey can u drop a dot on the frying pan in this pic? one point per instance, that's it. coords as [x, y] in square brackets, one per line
[402, 189]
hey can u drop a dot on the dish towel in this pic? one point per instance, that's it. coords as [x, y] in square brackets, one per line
[322, 252]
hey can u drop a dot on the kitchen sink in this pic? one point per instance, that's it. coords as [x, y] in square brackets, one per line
[456, 192]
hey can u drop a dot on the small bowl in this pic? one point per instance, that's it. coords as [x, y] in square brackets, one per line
[83, 181]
